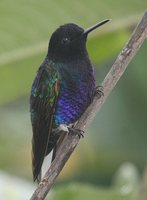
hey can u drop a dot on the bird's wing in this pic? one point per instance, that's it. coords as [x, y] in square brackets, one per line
[42, 104]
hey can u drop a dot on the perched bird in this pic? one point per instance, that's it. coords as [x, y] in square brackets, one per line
[62, 90]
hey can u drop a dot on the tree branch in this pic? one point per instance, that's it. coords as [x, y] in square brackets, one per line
[71, 141]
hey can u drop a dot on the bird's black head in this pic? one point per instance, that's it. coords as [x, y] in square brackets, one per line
[66, 42]
[69, 42]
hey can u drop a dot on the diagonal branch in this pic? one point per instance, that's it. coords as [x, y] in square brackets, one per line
[71, 141]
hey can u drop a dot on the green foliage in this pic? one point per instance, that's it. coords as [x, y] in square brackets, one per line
[17, 78]
[86, 192]
[100, 48]
[124, 187]
[24, 23]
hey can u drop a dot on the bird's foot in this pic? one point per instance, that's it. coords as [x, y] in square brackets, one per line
[99, 91]
[63, 128]
[70, 130]
[75, 131]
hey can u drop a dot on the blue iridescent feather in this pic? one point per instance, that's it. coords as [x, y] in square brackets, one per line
[76, 92]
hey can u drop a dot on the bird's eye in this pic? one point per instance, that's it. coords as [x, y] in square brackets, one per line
[65, 41]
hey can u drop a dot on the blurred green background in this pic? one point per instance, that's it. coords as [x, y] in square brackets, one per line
[118, 133]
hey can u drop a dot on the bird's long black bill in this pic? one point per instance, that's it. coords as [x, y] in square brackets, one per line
[96, 26]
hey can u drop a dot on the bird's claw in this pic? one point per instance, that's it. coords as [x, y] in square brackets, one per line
[99, 91]
[70, 130]
[75, 131]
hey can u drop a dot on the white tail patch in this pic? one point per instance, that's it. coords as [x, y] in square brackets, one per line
[46, 164]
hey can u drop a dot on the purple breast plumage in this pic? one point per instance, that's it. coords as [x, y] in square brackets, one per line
[75, 94]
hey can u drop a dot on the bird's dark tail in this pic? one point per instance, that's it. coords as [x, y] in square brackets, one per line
[58, 144]
[39, 177]
[56, 148]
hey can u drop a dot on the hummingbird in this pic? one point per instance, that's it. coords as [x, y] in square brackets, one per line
[62, 90]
